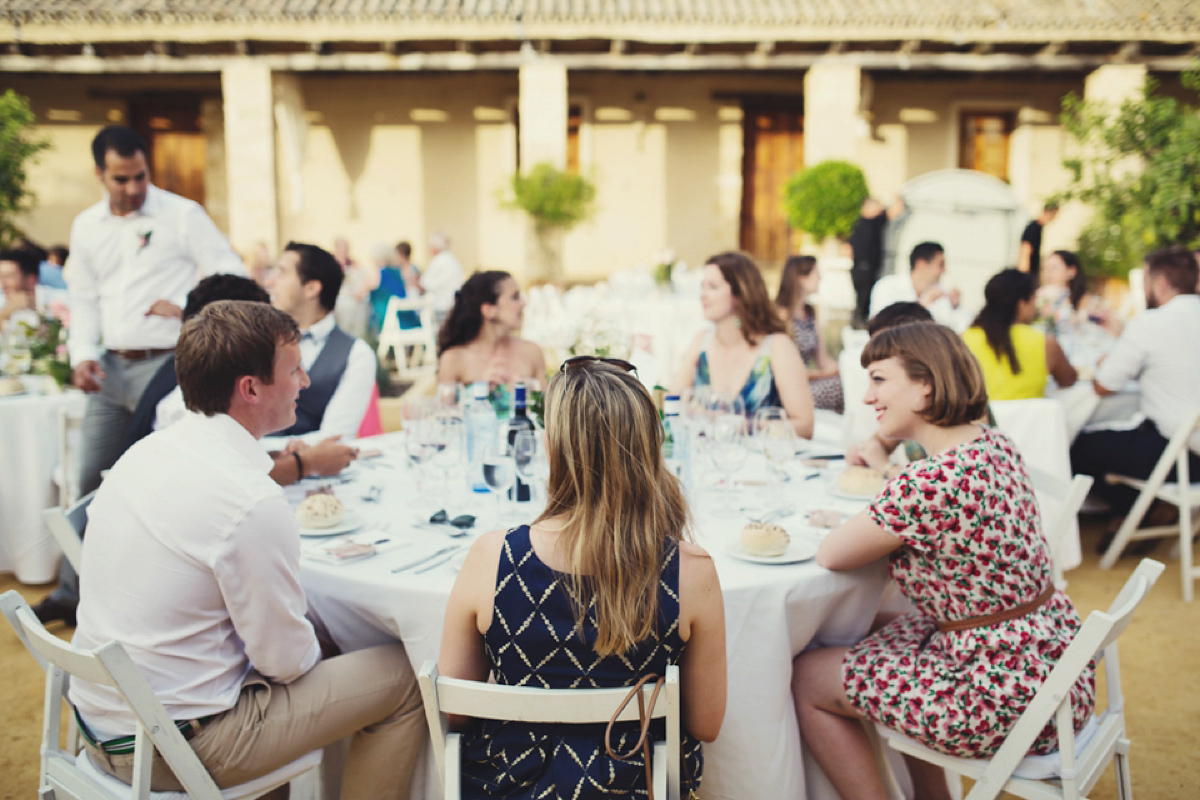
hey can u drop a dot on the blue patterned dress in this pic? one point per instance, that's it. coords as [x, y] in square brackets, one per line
[759, 390]
[531, 642]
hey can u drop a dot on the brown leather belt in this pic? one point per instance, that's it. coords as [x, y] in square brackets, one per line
[142, 355]
[999, 616]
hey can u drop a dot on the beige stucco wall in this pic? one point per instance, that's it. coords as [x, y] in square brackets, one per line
[385, 157]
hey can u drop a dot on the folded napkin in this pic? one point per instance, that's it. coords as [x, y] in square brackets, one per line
[345, 549]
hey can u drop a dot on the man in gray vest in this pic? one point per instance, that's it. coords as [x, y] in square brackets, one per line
[304, 282]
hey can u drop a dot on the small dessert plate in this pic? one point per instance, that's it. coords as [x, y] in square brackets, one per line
[798, 550]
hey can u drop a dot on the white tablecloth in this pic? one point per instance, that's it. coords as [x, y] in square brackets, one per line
[28, 455]
[772, 613]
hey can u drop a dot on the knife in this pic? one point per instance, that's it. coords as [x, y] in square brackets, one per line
[430, 557]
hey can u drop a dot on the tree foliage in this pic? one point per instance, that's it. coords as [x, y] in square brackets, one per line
[1138, 167]
[19, 144]
[825, 200]
[553, 198]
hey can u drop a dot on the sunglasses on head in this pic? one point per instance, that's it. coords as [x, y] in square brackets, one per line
[579, 361]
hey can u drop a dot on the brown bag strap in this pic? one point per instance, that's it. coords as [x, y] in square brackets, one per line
[999, 616]
[643, 742]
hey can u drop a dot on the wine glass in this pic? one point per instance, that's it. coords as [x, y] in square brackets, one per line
[445, 436]
[726, 446]
[775, 437]
[449, 394]
[531, 459]
[499, 470]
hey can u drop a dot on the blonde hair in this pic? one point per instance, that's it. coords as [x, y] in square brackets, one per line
[621, 505]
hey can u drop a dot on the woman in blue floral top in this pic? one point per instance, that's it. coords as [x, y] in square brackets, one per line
[747, 353]
[964, 540]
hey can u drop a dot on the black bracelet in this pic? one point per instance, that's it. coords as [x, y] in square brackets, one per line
[299, 466]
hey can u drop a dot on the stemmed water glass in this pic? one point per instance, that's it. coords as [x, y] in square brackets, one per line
[445, 436]
[775, 437]
[726, 446]
[533, 464]
[499, 470]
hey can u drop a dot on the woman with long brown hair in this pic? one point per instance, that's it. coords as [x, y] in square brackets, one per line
[747, 353]
[800, 281]
[479, 340]
[601, 590]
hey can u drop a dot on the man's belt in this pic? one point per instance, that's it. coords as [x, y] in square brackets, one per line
[142, 355]
[123, 745]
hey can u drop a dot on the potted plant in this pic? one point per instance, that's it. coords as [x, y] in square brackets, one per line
[825, 200]
[555, 201]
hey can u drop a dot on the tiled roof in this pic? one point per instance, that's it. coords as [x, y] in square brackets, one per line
[1018, 16]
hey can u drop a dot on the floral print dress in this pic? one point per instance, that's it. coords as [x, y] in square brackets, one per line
[972, 545]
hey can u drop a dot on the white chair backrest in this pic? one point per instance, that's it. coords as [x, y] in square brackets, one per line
[444, 696]
[422, 338]
[1053, 700]
[70, 435]
[67, 528]
[108, 665]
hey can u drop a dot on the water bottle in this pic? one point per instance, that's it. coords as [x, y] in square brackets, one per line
[481, 430]
[519, 422]
[676, 441]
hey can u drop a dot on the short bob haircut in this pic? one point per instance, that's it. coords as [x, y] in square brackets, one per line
[227, 340]
[935, 355]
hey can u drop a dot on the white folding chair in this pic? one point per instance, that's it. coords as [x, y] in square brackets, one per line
[444, 696]
[1182, 494]
[1056, 522]
[67, 528]
[70, 773]
[66, 473]
[422, 358]
[1071, 772]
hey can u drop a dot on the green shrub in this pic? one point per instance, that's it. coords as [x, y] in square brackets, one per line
[825, 200]
[553, 198]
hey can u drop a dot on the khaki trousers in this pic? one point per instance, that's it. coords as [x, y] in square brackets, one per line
[371, 694]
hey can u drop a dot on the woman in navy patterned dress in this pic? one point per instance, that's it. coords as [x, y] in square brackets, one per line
[598, 592]
[965, 545]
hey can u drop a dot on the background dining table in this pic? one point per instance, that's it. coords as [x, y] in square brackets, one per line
[772, 611]
[29, 440]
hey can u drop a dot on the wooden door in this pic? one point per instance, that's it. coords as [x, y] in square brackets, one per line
[170, 124]
[984, 140]
[773, 151]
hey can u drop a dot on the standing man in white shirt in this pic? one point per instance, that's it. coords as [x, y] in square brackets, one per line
[134, 257]
[922, 284]
[304, 283]
[214, 615]
[1156, 349]
[443, 276]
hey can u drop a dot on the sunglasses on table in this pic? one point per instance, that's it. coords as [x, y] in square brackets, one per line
[579, 361]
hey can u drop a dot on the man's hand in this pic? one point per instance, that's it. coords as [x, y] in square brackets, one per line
[955, 297]
[327, 457]
[165, 308]
[931, 296]
[87, 376]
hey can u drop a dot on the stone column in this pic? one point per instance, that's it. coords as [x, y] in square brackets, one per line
[250, 155]
[543, 108]
[1114, 83]
[833, 120]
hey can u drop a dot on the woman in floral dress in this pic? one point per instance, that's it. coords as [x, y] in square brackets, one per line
[962, 532]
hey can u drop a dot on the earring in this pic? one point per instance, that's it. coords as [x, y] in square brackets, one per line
[737, 322]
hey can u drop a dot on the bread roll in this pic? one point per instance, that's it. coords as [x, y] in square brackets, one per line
[320, 511]
[861, 481]
[765, 539]
[11, 386]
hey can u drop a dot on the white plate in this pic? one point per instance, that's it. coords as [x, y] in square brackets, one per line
[862, 498]
[350, 522]
[798, 550]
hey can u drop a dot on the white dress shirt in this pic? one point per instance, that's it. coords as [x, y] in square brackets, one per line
[121, 265]
[441, 279]
[896, 288]
[1157, 349]
[199, 589]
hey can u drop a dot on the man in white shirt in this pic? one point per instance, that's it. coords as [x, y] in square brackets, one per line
[304, 283]
[443, 276]
[213, 613]
[927, 265]
[1158, 350]
[134, 256]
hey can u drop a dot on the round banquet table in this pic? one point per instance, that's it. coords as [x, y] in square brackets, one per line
[772, 611]
[30, 447]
